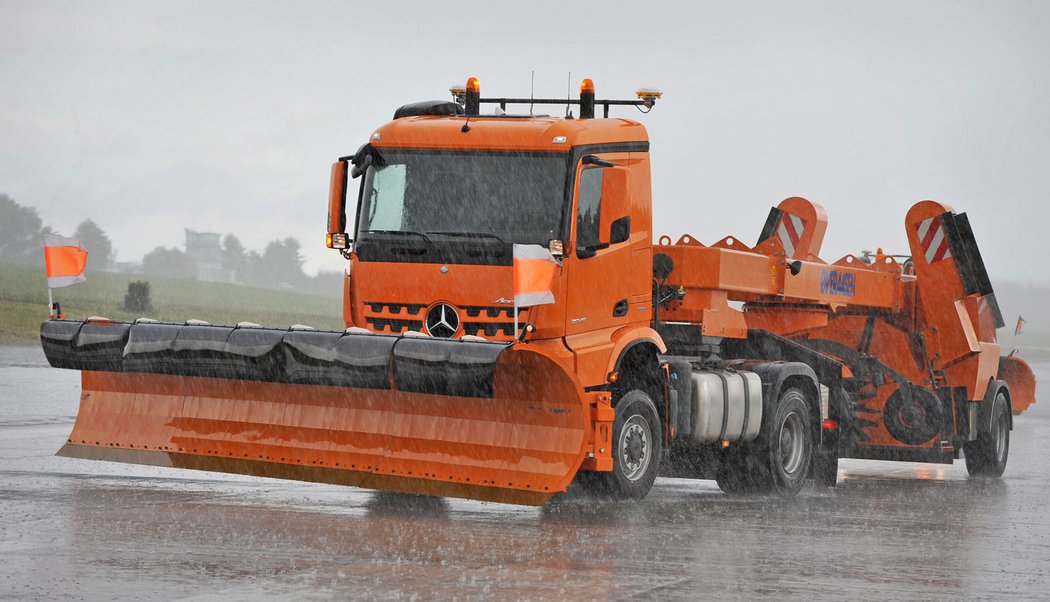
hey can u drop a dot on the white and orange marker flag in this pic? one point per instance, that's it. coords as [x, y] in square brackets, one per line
[65, 259]
[1020, 324]
[534, 270]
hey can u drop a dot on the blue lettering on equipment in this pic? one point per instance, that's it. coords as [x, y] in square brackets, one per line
[837, 283]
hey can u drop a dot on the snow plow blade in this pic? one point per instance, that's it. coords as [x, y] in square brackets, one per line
[413, 414]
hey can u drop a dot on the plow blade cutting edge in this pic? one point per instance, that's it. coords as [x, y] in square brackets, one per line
[441, 417]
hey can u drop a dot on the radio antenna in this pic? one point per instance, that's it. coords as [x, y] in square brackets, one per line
[532, 92]
[568, 94]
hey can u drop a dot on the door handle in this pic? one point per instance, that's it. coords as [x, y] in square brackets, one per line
[620, 309]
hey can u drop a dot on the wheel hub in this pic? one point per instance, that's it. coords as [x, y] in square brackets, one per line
[635, 448]
[791, 443]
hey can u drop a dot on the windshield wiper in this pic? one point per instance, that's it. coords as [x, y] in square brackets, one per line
[399, 233]
[472, 235]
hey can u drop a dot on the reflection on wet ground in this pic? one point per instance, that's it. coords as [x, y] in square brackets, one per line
[71, 528]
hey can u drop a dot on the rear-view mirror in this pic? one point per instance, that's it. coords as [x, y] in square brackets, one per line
[337, 205]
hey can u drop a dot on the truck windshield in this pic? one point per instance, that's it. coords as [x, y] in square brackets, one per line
[495, 198]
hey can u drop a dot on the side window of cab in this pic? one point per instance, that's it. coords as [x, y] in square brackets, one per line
[589, 211]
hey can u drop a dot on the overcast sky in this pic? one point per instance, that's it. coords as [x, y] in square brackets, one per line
[152, 117]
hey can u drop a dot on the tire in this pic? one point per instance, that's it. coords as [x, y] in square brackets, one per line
[987, 455]
[779, 460]
[637, 448]
[787, 444]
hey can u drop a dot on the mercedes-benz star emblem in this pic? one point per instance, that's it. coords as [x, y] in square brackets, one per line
[442, 321]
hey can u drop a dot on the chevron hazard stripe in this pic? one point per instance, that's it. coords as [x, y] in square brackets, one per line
[934, 242]
[789, 231]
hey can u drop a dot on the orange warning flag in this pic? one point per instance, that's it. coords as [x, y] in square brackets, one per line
[65, 259]
[1020, 324]
[534, 270]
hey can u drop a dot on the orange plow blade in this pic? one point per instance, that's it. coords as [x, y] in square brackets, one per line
[520, 442]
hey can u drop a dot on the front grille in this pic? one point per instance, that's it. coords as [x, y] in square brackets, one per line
[474, 311]
[395, 308]
[395, 326]
[489, 329]
[495, 322]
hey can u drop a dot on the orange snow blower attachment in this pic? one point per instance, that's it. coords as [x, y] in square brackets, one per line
[960, 314]
[411, 413]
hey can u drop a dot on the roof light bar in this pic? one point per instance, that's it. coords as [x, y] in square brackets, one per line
[472, 101]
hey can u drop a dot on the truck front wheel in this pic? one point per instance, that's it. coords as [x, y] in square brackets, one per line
[636, 447]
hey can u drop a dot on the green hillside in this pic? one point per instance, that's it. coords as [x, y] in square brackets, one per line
[23, 302]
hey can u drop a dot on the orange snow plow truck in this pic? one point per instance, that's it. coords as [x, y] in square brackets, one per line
[758, 366]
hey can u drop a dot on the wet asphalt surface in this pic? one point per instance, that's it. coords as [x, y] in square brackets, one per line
[75, 529]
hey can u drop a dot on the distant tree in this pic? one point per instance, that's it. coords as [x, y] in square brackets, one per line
[172, 263]
[100, 249]
[254, 271]
[21, 233]
[283, 262]
[235, 257]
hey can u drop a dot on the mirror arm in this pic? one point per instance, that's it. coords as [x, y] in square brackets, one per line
[365, 157]
[360, 167]
[586, 252]
[593, 160]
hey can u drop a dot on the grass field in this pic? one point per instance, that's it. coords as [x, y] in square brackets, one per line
[23, 305]
[23, 302]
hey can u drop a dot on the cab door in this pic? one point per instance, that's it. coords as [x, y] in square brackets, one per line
[599, 273]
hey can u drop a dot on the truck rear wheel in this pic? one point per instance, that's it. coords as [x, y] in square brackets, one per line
[987, 455]
[778, 461]
[788, 443]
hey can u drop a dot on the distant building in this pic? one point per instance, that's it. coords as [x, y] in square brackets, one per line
[205, 249]
[126, 267]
